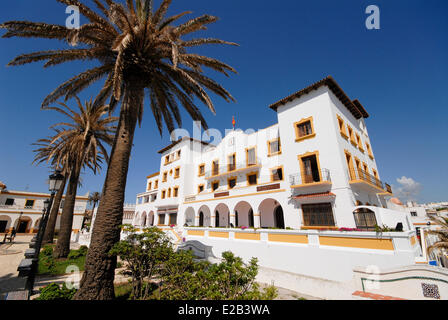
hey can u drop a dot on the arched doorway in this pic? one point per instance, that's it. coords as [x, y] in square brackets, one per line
[151, 219]
[222, 215]
[189, 217]
[279, 220]
[143, 219]
[271, 214]
[365, 219]
[251, 218]
[23, 225]
[204, 216]
[242, 214]
[216, 219]
[5, 223]
[201, 218]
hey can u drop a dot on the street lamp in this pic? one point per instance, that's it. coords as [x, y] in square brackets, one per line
[55, 181]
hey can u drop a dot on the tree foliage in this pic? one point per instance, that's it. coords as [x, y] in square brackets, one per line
[149, 255]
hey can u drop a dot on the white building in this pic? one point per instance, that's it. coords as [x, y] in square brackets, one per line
[303, 195]
[315, 168]
[23, 210]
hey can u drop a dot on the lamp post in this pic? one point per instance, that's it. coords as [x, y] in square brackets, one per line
[55, 183]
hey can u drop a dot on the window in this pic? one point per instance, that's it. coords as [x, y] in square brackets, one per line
[318, 214]
[201, 170]
[231, 162]
[178, 154]
[149, 186]
[369, 150]
[169, 192]
[29, 203]
[9, 202]
[351, 135]
[252, 179]
[215, 185]
[200, 188]
[167, 160]
[413, 213]
[156, 184]
[277, 174]
[176, 192]
[351, 169]
[365, 219]
[165, 176]
[173, 219]
[304, 129]
[172, 157]
[358, 139]
[215, 168]
[176, 172]
[310, 168]
[161, 219]
[163, 194]
[274, 147]
[251, 157]
[342, 130]
[231, 182]
[146, 200]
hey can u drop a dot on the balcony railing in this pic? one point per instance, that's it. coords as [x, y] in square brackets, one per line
[362, 175]
[224, 170]
[316, 176]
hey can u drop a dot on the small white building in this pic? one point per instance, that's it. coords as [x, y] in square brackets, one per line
[23, 210]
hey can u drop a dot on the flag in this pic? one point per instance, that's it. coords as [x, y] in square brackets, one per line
[233, 122]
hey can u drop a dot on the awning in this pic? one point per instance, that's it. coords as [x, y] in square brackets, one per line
[167, 210]
[315, 195]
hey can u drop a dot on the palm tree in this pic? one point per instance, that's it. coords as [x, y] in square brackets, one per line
[43, 155]
[141, 52]
[94, 198]
[442, 234]
[77, 144]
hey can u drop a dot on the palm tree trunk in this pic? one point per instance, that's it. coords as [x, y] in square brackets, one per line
[65, 231]
[49, 230]
[99, 272]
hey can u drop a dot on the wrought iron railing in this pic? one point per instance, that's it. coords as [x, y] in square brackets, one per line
[358, 174]
[298, 179]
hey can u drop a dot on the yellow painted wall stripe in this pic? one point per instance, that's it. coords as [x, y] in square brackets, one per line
[196, 233]
[289, 238]
[380, 244]
[216, 234]
[247, 236]
[413, 241]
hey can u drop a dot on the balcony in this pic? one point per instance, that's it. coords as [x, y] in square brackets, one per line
[363, 178]
[227, 170]
[316, 178]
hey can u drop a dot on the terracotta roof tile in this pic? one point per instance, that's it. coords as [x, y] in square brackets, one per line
[355, 107]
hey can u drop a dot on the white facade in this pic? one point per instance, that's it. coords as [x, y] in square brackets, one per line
[322, 166]
[315, 202]
[23, 210]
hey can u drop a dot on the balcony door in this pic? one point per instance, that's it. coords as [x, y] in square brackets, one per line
[310, 169]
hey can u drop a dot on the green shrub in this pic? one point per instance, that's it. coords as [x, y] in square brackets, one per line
[55, 292]
[75, 254]
[47, 251]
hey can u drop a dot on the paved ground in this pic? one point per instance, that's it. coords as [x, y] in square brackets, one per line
[10, 256]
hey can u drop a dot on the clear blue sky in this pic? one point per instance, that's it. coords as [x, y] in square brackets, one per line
[399, 73]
